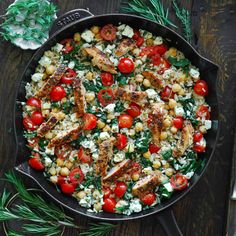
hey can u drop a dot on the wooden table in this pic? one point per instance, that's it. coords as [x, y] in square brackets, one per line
[204, 210]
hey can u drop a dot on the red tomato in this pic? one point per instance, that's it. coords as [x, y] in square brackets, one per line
[134, 109]
[201, 88]
[197, 147]
[68, 47]
[107, 78]
[126, 65]
[108, 32]
[136, 34]
[140, 41]
[156, 60]
[121, 141]
[179, 182]
[106, 192]
[105, 97]
[166, 63]
[149, 199]
[67, 78]
[76, 176]
[90, 121]
[37, 117]
[120, 189]
[29, 124]
[109, 205]
[34, 102]
[125, 121]
[178, 122]
[67, 188]
[153, 50]
[57, 93]
[136, 168]
[153, 148]
[83, 157]
[203, 112]
[197, 136]
[35, 163]
[167, 93]
[63, 151]
[60, 180]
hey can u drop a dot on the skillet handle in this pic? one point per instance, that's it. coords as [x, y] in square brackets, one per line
[168, 222]
[68, 18]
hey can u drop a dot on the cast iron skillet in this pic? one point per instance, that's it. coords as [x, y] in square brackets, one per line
[65, 27]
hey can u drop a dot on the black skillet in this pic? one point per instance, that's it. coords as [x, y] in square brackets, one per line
[65, 27]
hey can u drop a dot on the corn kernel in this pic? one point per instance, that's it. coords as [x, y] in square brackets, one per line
[69, 165]
[89, 75]
[81, 194]
[169, 172]
[167, 165]
[172, 103]
[171, 113]
[146, 83]
[98, 37]
[136, 52]
[100, 124]
[96, 194]
[138, 127]
[64, 171]
[110, 116]
[63, 100]
[49, 135]
[135, 177]
[90, 96]
[181, 92]
[59, 162]
[167, 123]
[147, 154]
[163, 135]
[95, 29]
[77, 37]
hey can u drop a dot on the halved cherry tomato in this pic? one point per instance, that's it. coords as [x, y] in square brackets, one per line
[136, 34]
[37, 117]
[76, 176]
[105, 97]
[90, 121]
[166, 63]
[203, 112]
[179, 182]
[120, 189]
[67, 78]
[34, 102]
[68, 47]
[134, 109]
[201, 88]
[153, 148]
[108, 32]
[125, 121]
[197, 147]
[136, 168]
[178, 122]
[83, 157]
[197, 136]
[153, 50]
[126, 65]
[35, 163]
[29, 124]
[156, 60]
[106, 192]
[107, 78]
[57, 93]
[109, 205]
[121, 141]
[67, 188]
[60, 180]
[140, 41]
[167, 93]
[149, 199]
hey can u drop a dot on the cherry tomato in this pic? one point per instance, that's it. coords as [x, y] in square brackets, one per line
[203, 112]
[109, 205]
[125, 121]
[179, 182]
[156, 60]
[68, 47]
[108, 32]
[29, 124]
[134, 109]
[136, 34]
[67, 78]
[126, 65]
[149, 199]
[37, 117]
[201, 88]
[167, 93]
[121, 141]
[136, 168]
[153, 50]
[166, 63]
[120, 189]
[90, 121]
[57, 93]
[76, 176]
[153, 148]
[63, 151]
[67, 188]
[178, 122]
[197, 136]
[197, 147]
[83, 157]
[35, 163]
[60, 180]
[140, 41]
[106, 192]
[105, 97]
[34, 102]
[107, 78]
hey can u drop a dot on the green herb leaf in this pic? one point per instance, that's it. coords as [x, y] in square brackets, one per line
[178, 63]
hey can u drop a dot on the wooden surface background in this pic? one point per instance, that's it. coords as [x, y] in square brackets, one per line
[203, 212]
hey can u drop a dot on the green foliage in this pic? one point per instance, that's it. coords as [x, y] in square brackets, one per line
[178, 63]
[142, 143]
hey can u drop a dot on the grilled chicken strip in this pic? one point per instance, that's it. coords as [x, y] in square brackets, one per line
[79, 95]
[125, 46]
[105, 154]
[154, 80]
[50, 123]
[51, 82]
[117, 171]
[146, 184]
[100, 60]
[186, 139]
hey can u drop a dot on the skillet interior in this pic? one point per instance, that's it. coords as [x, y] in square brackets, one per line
[208, 72]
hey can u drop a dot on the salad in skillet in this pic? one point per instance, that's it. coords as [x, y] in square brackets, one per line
[116, 117]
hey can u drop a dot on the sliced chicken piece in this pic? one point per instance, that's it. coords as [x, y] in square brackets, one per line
[124, 47]
[100, 60]
[79, 95]
[154, 80]
[63, 151]
[117, 171]
[186, 139]
[50, 123]
[105, 154]
[51, 82]
[65, 137]
[146, 184]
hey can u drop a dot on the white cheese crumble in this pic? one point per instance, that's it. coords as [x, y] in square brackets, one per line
[194, 73]
[58, 47]
[168, 187]
[37, 77]
[135, 205]
[115, 128]
[46, 105]
[151, 93]
[99, 47]
[110, 108]
[71, 65]
[130, 147]
[47, 161]
[45, 61]
[49, 151]
[85, 168]
[169, 73]
[104, 136]
[89, 144]
[118, 157]
[128, 31]
[179, 111]
[207, 124]
[87, 35]
[158, 41]
[189, 175]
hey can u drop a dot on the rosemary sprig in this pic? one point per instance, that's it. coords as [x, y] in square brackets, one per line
[98, 229]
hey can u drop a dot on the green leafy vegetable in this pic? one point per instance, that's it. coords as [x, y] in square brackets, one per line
[166, 154]
[145, 162]
[178, 63]
[30, 134]
[142, 143]
[92, 180]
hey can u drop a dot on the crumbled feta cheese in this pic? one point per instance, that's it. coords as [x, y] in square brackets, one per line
[99, 47]
[58, 47]
[130, 147]
[73, 117]
[121, 27]
[168, 187]
[147, 170]
[151, 93]
[194, 73]
[87, 35]
[109, 48]
[121, 203]
[114, 60]
[110, 108]
[37, 77]
[71, 65]
[47, 161]
[169, 73]
[104, 136]
[85, 168]
[86, 202]
[118, 157]
[158, 41]
[89, 144]
[128, 31]
[189, 175]
[49, 151]
[207, 124]
[179, 111]
[115, 128]
[135, 205]
[95, 155]
[45, 61]
[46, 105]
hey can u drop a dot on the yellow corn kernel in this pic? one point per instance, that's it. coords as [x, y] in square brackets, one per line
[55, 109]
[63, 100]
[181, 92]
[89, 75]
[98, 37]
[100, 124]
[135, 177]
[167, 165]
[49, 135]
[81, 194]
[167, 122]
[90, 96]
[95, 29]
[146, 83]
[163, 135]
[171, 113]
[64, 171]
[156, 164]
[176, 88]
[149, 42]
[147, 154]
[77, 37]
[59, 162]
[169, 172]
[69, 165]
[110, 116]
[173, 52]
